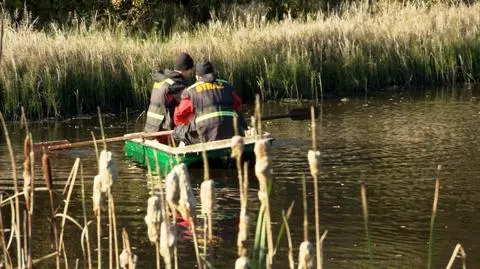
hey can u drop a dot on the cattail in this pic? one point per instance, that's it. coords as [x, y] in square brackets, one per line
[314, 161]
[167, 242]
[128, 260]
[27, 180]
[242, 263]
[262, 168]
[207, 196]
[125, 259]
[186, 204]
[243, 233]
[97, 194]
[47, 172]
[306, 256]
[27, 176]
[262, 165]
[107, 170]
[237, 145]
[263, 172]
[154, 217]
[172, 189]
[27, 147]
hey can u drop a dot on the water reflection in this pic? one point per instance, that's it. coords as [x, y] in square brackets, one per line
[394, 143]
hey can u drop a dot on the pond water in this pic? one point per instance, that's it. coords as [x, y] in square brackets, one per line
[392, 142]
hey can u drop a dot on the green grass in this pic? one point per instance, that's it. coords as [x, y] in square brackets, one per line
[65, 70]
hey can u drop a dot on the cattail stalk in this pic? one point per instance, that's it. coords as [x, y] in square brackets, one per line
[114, 228]
[99, 239]
[306, 258]
[166, 248]
[458, 249]
[47, 178]
[313, 158]
[32, 203]
[67, 201]
[85, 222]
[6, 259]
[96, 147]
[432, 219]
[28, 192]
[262, 171]
[291, 261]
[128, 259]
[15, 188]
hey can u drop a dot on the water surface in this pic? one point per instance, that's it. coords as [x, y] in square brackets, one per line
[392, 142]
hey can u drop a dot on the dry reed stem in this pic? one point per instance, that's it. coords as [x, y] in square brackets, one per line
[244, 219]
[262, 171]
[314, 171]
[110, 236]
[25, 239]
[166, 248]
[99, 112]
[157, 255]
[258, 116]
[115, 239]
[463, 255]
[131, 259]
[195, 242]
[6, 257]
[152, 217]
[305, 209]
[433, 217]
[47, 178]
[2, 32]
[96, 148]
[67, 200]
[87, 259]
[291, 261]
[15, 186]
[32, 202]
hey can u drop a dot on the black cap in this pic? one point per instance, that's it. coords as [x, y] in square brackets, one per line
[205, 70]
[183, 62]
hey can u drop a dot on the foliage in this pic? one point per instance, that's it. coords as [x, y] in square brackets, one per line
[67, 69]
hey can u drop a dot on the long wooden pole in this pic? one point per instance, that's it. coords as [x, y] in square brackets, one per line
[108, 140]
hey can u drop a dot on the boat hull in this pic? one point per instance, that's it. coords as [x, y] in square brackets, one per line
[150, 152]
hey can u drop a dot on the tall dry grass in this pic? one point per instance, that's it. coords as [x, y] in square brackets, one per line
[66, 70]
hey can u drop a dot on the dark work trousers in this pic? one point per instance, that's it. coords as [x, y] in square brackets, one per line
[186, 133]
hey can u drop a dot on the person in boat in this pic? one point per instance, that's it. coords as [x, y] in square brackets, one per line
[166, 94]
[207, 109]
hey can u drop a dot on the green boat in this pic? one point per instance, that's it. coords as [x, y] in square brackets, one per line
[142, 151]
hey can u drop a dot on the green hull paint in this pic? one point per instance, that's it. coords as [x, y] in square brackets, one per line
[141, 153]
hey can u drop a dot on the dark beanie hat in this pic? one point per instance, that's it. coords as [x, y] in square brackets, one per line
[205, 70]
[183, 62]
[204, 67]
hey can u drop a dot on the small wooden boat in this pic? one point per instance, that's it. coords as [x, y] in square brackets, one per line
[142, 151]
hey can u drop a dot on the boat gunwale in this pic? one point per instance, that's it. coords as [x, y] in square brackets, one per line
[196, 148]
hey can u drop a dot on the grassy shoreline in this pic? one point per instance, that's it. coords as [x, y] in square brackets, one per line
[71, 70]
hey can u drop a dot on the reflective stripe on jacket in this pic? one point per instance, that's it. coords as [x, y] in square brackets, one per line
[214, 104]
[163, 102]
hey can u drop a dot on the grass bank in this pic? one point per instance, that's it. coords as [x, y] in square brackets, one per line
[71, 70]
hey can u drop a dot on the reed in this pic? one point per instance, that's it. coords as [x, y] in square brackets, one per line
[16, 216]
[314, 163]
[431, 241]
[398, 44]
[458, 249]
[88, 258]
[48, 180]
